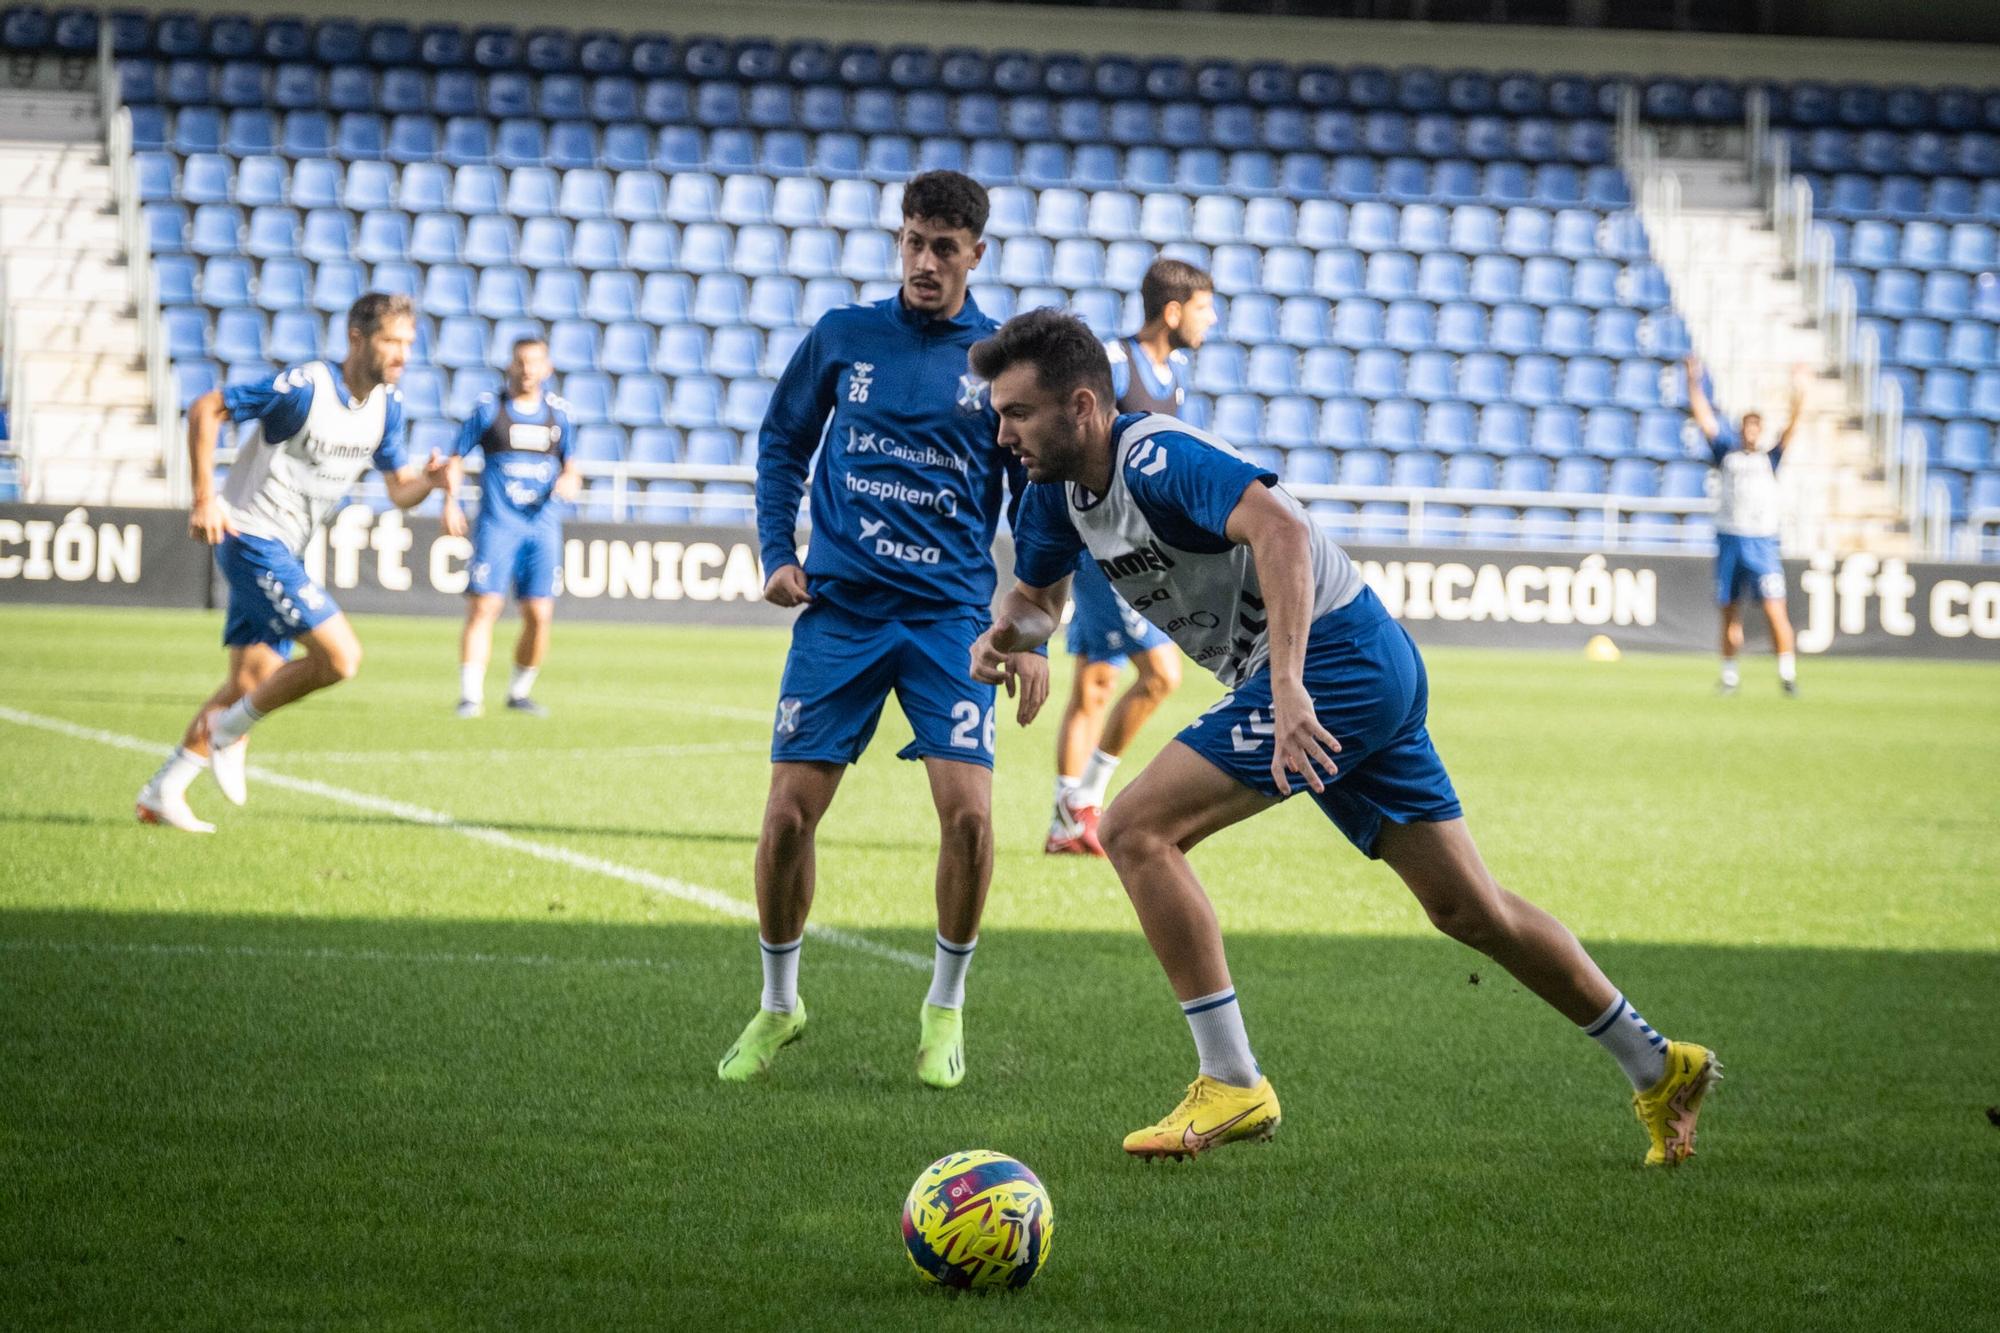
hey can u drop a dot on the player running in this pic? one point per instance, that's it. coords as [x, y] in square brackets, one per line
[897, 583]
[1326, 690]
[311, 432]
[1149, 373]
[517, 541]
[1747, 559]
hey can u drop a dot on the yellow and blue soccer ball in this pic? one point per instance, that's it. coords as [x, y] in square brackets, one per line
[978, 1220]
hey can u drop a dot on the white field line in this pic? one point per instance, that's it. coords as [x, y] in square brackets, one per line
[329, 954]
[662, 885]
[517, 752]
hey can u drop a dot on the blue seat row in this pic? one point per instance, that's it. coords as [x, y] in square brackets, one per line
[1972, 247]
[1968, 344]
[673, 148]
[1940, 294]
[1849, 195]
[1886, 152]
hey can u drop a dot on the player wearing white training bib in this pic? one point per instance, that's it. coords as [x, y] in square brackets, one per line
[308, 434]
[1208, 547]
[1748, 508]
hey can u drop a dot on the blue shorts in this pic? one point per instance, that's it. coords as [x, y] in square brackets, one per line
[522, 557]
[1369, 689]
[271, 597]
[1102, 628]
[1748, 565]
[841, 669]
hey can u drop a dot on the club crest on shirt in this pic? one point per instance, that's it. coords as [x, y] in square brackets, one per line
[971, 394]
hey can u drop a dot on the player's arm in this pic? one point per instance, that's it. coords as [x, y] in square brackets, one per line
[469, 432]
[1798, 409]
[409, 481]
[1281, 546]
[793, 424]
[1013, 650]
[1699, 407]
[208, 519]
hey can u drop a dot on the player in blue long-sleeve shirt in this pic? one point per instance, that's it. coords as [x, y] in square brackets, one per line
[896, 585]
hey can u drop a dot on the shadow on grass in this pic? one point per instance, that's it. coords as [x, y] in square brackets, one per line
[239, 1120]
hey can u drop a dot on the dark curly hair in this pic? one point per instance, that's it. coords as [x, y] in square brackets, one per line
[1171, 280]
[1061, 347]
[950, 197]
[365, 316]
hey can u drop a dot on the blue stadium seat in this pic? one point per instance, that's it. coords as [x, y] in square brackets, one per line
[1272, 371]
[1289, 422]
[448, 290]
[501, 293]
[1496, 279]
[1343, 423]
[1442, 277]
[1391, 274]
[1357, 323]
[1516, 329]
[240, 335]
[461, 345]
[1378, 373]
[1409, 326]
[384, 237]
[1482, 378]
[1461, 326]
[1364, 467]
[557, 295]
[589, 397]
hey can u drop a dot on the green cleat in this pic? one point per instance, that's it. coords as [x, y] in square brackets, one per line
[941, 1049]
[752, 1053]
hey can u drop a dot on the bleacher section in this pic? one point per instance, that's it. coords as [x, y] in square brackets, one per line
[1426, 278]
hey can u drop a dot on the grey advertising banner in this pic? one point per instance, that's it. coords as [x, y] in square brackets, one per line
[390, 562]
[100, 557]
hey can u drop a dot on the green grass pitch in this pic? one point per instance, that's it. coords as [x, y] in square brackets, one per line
[342, 1067]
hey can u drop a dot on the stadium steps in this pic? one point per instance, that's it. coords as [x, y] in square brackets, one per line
[1749, 318]
[90, 434]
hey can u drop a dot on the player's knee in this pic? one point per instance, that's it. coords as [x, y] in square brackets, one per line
[1125, 840]
[341, 663]
[967, 827]
[1156, 685]
[1476, 920]
[787, 819]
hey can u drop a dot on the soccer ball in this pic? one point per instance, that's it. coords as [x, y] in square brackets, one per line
[978, 1220]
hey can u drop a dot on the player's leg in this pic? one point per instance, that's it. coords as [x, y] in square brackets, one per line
[837, 675]
[1159, 670]
[535, 584]
[1770, 572]
[1443, 868]
[952, 721]
[1073, 822]
[798, 798]
[1732, 645]
[163, 800]
[537, 615]
[475, 650]
[963, 795]
[1180, 799]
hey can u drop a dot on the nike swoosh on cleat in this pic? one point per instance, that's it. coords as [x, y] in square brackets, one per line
[1195, 1141]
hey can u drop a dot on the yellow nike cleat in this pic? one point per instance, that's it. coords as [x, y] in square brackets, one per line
[1668, 1109]
[1213, 1113]
[760, 1043]
[941, 1047]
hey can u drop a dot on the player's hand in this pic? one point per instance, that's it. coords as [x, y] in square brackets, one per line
[454, 520]
[787, 587]
[568, 486]
[208, 521]
[989, 663]
[1299, 744]
[1027, 680]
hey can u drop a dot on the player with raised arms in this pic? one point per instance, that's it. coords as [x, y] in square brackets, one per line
[529, 472]
[897, 583]
[1326, 692]
[308, 435]
[1747, 504]
[1149, 373]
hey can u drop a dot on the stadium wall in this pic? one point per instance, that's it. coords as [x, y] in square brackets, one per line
[646, 573]
[1224, 36]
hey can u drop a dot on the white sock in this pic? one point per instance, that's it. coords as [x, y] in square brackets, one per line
[1096, 777]
[235, 723]
[948, 966]
[781, 974]
[179, 770]
[524, 680]
[1729, 671]
[1788, 666]
[1639, 1051]
[1219, 1038]
[472, 681]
